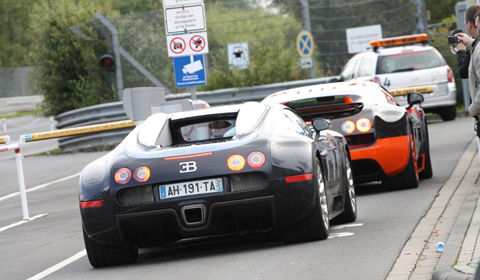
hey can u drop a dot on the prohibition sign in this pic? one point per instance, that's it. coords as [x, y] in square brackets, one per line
[197, 43]
[305, 44]
[177, 45]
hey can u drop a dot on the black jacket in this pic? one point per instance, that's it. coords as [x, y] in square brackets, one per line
[463, 62]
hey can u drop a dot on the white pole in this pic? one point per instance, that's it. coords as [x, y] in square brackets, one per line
[51, 124]
[21, 182]
[4, 126]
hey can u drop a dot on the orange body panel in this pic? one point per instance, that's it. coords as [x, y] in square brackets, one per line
[392, 154]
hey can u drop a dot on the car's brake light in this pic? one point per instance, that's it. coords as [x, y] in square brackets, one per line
[364, 125]
[348, 127]
[141, 174]
[449, 75]
[256, 159]
[298, 178]
[189, 156]
[236, 162]
[123, 176]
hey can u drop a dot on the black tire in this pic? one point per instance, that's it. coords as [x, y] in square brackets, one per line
[449, 113]
[317, 225]
[408, 179]
[427, 171]
[101, 255]
[350, 206]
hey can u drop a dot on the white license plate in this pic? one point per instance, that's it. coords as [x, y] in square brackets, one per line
[191, 188]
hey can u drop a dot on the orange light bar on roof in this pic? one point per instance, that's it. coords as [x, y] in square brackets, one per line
[401, 40]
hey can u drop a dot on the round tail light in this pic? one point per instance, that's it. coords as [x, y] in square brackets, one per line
[123, 176]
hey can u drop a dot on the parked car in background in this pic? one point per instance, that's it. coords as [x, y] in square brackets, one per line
[403, 62]
[226, 170]
[388, 142]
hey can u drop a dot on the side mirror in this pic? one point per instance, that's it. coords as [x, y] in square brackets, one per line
[414, 98]
[321, 124]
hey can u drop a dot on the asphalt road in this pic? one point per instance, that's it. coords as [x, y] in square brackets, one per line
[50, 245]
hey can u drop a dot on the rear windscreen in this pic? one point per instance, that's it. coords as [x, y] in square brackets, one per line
[409, 61]
[215, 130]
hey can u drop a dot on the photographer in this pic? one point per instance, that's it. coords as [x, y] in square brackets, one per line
[463, 55]
[473, 69]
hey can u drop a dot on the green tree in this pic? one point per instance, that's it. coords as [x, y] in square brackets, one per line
[440, 10]
[67, 72]
[14, 21]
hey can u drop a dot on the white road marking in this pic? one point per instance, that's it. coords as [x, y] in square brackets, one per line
[22, 222]
[339, 234]
[40, 187]
[59, 265]
[345, 226]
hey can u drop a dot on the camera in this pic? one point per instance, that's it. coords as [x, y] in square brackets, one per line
[453, 40]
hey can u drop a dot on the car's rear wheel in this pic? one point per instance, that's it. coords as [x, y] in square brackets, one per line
[317, 225]
[409, 177]
[350, 206]
[449, 113]
[100, 255]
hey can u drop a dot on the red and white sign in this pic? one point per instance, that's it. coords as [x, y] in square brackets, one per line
[187, 44]
[185, 19]
[177, 46]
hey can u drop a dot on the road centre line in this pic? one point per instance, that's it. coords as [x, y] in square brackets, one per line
[59, 265]
[40, 187]
[22, 222]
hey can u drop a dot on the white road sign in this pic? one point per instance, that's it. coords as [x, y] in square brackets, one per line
[358, 38]
[187, 44]
[185, 19]
[172, 3]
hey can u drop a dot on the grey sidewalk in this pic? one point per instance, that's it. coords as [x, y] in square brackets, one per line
[447, 220]
[462, 255]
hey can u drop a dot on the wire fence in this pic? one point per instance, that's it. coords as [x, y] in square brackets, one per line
[269, 27]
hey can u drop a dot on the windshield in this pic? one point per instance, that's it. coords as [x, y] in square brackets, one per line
[410, 61]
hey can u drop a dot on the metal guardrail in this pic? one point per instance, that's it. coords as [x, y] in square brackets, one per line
[112, 112]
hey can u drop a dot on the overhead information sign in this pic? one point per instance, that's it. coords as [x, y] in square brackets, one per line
[187, 44]
[171, 3]
[185, 19]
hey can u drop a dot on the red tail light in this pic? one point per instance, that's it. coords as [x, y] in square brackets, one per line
[141, 174]
[449, 75]
[256, 159]
[123, 176]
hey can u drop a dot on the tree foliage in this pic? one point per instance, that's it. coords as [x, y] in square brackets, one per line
[439, 10]
[14, 21]
[67, 72]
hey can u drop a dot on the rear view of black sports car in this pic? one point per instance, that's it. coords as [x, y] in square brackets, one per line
[216, 171]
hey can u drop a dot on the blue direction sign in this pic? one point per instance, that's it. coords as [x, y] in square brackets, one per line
[189, 71]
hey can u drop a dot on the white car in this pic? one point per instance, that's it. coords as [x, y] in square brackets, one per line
[407, 62]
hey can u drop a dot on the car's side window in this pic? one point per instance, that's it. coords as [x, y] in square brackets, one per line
[297, 124]
[366, 67]
[351, 69]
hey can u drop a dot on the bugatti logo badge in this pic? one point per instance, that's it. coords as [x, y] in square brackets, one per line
[189, 166]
